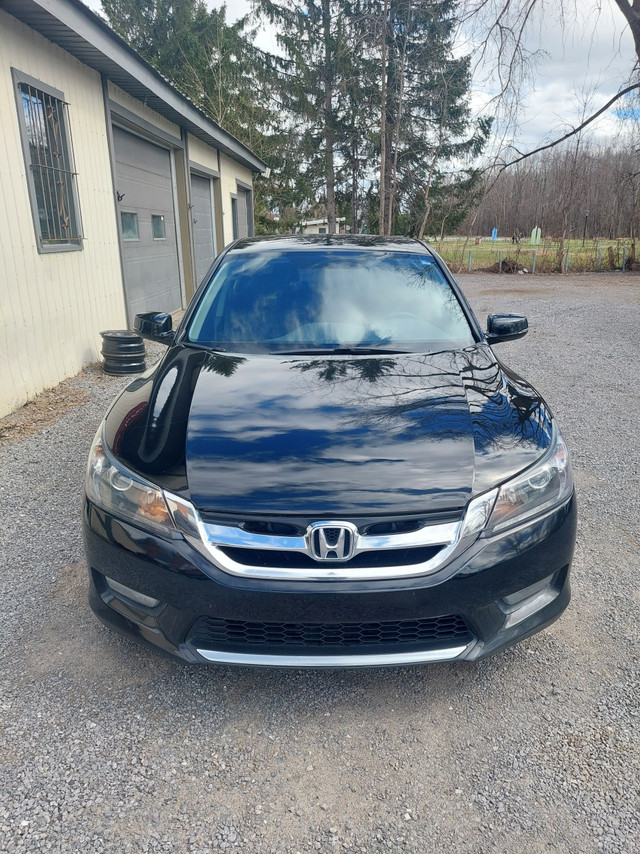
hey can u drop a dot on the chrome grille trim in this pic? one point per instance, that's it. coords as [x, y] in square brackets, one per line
[430, 535]
[221, 535]
[213, 538]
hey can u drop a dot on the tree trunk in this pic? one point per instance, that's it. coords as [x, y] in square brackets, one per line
[390, 126]
[388, 168]
[328, 119]
[397, 120]
[383, 122]
[444, 116]
[631, 11]
[354, 191]
[427, 191]
[563, 237]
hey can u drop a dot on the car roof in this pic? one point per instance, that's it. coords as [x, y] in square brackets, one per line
[322, 241]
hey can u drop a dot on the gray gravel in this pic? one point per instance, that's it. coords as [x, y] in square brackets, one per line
[108, 747]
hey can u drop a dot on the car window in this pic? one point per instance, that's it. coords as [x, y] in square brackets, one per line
[281, 300]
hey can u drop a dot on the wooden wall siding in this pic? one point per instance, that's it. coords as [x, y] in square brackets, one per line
[229, 172]
[53, 306]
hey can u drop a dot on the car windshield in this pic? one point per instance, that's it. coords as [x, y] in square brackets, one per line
[329, 299]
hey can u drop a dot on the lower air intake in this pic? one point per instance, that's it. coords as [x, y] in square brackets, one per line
[239, 634]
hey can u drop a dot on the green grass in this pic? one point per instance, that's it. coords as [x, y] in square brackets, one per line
[594, 255]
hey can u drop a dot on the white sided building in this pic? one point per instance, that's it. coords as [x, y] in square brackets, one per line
[116, 191]
[320, 226]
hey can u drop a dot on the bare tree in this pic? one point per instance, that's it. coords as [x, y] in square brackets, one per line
[578, 189]
[502, 28]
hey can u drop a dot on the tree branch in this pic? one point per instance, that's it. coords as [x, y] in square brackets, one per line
[575, 130]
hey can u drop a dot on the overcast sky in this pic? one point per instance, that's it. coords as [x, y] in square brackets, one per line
[582, 66]
[584, 63]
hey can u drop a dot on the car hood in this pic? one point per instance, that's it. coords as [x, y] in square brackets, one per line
[330, 436]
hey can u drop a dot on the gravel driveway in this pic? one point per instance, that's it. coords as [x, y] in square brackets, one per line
[108, 747]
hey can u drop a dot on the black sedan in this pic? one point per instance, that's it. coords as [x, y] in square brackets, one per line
[329, 468]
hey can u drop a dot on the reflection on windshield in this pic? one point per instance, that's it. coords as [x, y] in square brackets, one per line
[319, 299]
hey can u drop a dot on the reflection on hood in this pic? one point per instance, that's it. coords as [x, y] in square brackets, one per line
[388, 434]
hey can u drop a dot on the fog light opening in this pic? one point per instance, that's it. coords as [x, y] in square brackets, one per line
[528, 601]
[134, 595]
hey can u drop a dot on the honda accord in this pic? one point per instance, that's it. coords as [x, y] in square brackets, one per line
[329, 467]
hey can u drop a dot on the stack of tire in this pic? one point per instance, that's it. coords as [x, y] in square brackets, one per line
[122, 351]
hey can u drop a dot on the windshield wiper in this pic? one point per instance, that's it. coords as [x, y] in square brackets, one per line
[208, 347]
[339, 351]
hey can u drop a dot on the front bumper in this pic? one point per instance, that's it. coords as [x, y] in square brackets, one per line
[499, 591]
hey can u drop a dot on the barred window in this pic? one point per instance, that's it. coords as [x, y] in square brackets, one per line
[50, 168]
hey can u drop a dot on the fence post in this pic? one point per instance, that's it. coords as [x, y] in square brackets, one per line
[533, 263]
[469, 265]
[566, 263]
[500, 261]
[624, 259]
[599, 258]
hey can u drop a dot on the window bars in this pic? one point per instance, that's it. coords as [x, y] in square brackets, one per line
[51, 164]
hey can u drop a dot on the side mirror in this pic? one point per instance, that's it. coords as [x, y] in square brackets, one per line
[154, 325]
[505, 327]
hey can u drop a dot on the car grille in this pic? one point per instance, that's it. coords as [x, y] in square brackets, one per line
[431, 632]
[296, 526]
[299, 560]
[278, 529]
[300, 549]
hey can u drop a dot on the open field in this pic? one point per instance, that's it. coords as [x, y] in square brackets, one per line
[106, 747]
[595, 255]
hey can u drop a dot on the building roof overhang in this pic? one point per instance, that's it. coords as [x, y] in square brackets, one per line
[75, 28]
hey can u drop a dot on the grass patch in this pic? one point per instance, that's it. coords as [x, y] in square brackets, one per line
[595, 255]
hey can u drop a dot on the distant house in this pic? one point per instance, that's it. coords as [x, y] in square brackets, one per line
[117, 192]
[319, 226]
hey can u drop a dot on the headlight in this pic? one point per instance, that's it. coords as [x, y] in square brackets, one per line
[477, 514]
[547, 484]
[115, 488]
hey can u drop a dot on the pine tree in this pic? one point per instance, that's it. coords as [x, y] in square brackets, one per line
[424, 111]
[315, 70]
[361, 88]
[218, 67]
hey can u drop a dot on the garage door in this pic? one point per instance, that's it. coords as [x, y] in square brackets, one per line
[203, 224]
[243, 214]
[147, 221]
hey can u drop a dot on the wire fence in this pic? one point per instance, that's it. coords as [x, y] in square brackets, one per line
[548, 257]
